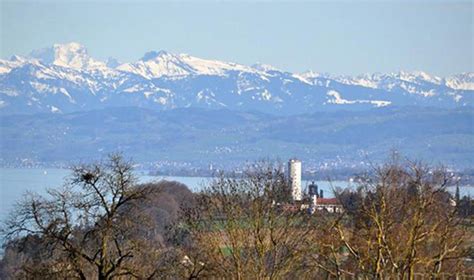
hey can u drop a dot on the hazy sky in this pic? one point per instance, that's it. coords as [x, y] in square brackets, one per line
[334, 37]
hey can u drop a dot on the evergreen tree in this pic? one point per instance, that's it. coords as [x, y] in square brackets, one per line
[457, 195]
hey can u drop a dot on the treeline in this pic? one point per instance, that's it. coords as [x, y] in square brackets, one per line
[400, 222]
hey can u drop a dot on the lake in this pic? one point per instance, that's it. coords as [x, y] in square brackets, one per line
[14, 182]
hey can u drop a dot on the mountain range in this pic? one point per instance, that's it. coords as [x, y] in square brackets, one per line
[59, 105]
[65, 78]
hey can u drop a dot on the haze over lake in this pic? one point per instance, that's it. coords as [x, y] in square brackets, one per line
[15, 182]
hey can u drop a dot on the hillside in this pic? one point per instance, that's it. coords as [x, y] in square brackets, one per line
[196, 137]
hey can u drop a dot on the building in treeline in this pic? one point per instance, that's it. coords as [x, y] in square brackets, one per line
[315, 200]
[294, 177]
[330, 205]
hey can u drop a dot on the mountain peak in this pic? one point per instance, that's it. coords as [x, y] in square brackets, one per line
[152, 55]
[17, 58]
[72, 55]
[112, 62]
[156, 64]
[463, 81]
[310, 74]
[264, 67]
[414, 76]
[71, 47]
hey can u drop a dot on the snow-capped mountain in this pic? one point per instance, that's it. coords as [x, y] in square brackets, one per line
[71, 55]
[463, 81]
[163, 64]
[65, 78]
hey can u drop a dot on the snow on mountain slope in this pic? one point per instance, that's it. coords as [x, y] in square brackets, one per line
[463, 81]
[417, 82]
[7, 65]
[334, 97]
[265, 67]
[380, 80]
[65, 78]
[158, 64]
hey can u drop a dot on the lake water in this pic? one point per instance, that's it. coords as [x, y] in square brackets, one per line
[14, 182]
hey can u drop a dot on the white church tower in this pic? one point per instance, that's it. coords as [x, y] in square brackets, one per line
[294, 177]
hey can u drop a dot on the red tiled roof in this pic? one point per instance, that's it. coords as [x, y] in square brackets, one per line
[328, 201]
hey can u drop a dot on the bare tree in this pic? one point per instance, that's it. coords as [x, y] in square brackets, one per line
[88, 227]
[245, 228]
[405, 223]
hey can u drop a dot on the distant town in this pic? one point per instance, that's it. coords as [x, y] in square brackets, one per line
[313, 169]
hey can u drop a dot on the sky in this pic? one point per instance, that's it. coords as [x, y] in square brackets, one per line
[338, 37]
